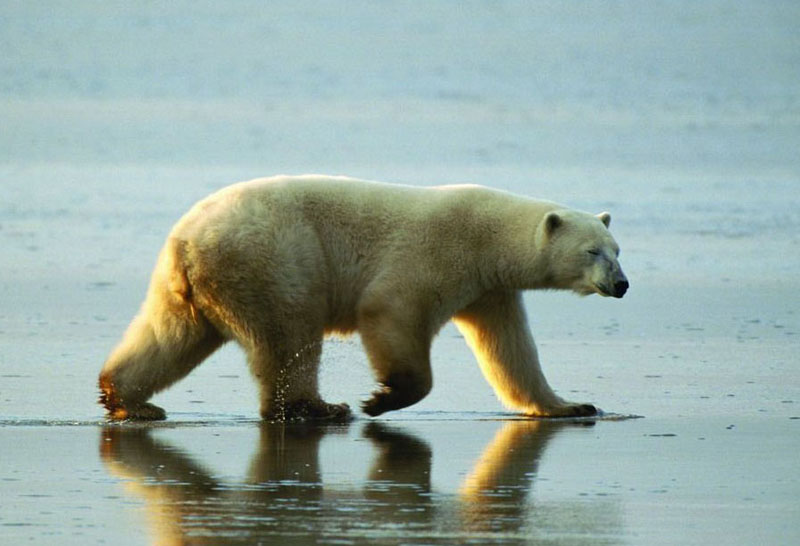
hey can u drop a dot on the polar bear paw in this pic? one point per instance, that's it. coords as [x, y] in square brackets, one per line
[299, 411]
[582, 410]
[144, 411]
[399, 390]
[566, 409]
[118, 409]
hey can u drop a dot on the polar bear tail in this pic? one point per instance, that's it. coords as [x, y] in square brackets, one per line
[163, 343]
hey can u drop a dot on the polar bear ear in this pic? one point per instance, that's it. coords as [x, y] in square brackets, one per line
[605, 218]
[552, 221]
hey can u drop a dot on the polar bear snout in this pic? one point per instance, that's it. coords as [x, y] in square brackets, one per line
[620, 287]
[605, 278]
[617, 289]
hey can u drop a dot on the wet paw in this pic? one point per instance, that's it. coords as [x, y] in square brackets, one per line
[400, 390]
[307, 411]
[333, 412]
[584, 410]
[569, 410]
[140, 412]
[379, 402]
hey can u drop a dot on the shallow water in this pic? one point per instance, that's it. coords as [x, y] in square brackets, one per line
[438, 479]
[682, 119]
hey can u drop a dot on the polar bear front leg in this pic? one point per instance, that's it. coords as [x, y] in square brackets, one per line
[398, 346]
[496, 329]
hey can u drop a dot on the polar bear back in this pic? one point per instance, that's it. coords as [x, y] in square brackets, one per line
[365, 214]
[346, 236]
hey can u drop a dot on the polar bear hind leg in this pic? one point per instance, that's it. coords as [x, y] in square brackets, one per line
[287, 376]
[274, 308]
[155, 352]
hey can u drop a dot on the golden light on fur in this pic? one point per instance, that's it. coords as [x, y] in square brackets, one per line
[276, 264]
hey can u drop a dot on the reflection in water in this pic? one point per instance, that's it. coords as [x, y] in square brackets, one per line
[493, 496]
[186, 505]
[399, 482]
[284, 499]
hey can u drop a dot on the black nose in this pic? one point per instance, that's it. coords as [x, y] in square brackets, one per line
[620, 287]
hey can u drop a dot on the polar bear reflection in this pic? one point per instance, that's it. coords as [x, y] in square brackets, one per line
[285, 498]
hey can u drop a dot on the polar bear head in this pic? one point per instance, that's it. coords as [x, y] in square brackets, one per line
[580, 253]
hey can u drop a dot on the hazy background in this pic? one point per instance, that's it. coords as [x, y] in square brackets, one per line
[681, 118]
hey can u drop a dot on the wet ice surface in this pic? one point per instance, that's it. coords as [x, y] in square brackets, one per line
[680, 119]
[440, 481]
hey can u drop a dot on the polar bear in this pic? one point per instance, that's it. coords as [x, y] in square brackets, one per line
[277, 263]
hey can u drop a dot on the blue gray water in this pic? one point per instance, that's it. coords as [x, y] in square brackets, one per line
[680, 118]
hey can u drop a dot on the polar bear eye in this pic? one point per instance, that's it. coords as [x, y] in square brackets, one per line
[594, 252]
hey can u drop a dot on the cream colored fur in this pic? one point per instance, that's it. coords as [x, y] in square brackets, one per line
[275, 264]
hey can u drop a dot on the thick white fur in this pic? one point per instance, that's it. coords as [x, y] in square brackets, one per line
[277, 263]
